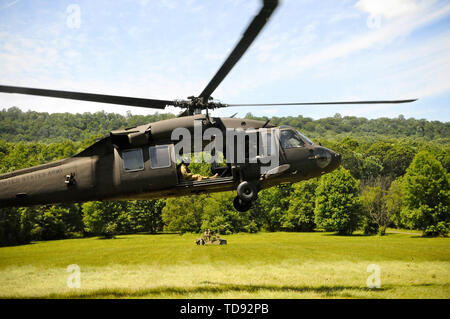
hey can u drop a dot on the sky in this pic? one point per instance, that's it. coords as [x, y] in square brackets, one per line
[309, 51]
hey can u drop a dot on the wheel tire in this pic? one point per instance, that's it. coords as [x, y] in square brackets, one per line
[240, 205]
[247, 191]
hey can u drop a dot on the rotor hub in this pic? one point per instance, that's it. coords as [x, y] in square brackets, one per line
[195, 105]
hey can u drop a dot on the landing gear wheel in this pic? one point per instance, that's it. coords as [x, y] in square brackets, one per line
[247, 192]
[240, 205]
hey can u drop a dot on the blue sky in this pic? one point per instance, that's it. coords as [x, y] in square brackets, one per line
[309, 51]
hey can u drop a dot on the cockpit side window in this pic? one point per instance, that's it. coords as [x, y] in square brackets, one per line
[305, 138]
[289, 139]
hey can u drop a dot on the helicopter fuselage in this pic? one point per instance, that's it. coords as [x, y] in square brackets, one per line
[140, 163]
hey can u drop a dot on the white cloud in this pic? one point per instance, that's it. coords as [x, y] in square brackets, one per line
[10, 4]
[338, 17]
[376, 38]
[392, 8]
[379, 41]
[143, 2]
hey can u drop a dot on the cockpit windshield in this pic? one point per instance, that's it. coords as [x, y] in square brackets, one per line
[305, 138]
[289, 139]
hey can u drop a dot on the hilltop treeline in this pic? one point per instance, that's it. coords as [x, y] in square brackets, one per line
[18, 126]
[395, 173]
[339, 126]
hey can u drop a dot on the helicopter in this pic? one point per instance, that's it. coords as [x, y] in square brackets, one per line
[140, 163]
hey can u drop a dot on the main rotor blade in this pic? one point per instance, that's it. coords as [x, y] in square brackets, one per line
[329, 103]
[101, 98]
[248, 37]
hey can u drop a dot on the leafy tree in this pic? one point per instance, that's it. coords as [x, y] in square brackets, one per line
[393, 156]
[146, 215]
[426, 196]
[102, 218]
[74, 220]
[15, 227]
[351, 158]
[299, 216]
[371, 168]
[184, 214]
[441, 153]
[221, 217]
[337, 204]
[49, 222]
[397, 159]
[270, 207]
[394, 199]
[377, 215]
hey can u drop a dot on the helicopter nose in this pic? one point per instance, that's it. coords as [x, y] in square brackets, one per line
[339, 158]
[327, 160]
[336, 160]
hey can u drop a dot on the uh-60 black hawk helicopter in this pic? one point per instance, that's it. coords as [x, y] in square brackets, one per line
[140, 162]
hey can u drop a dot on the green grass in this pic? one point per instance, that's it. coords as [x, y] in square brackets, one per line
[264, 265]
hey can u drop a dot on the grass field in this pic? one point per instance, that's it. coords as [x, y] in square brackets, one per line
[264, 265]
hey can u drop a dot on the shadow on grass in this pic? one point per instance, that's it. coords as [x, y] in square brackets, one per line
[157, 234]
[119, 236]
[213, 288]
[19, 245]
[443, 285]
[411, 235]
[347, 235]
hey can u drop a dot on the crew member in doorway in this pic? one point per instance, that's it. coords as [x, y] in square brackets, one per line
[186, 174]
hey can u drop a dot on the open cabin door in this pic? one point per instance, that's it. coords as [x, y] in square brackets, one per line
[147, 168]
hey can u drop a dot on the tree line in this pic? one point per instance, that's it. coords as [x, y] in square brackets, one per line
[19, 126]
[385, 180]
[336, 202]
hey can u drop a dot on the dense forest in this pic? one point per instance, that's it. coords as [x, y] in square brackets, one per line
[18, 126]
[395, 172]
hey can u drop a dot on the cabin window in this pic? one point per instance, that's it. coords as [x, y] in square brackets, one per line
[160, 156]
[289, 139]
[133, 160]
